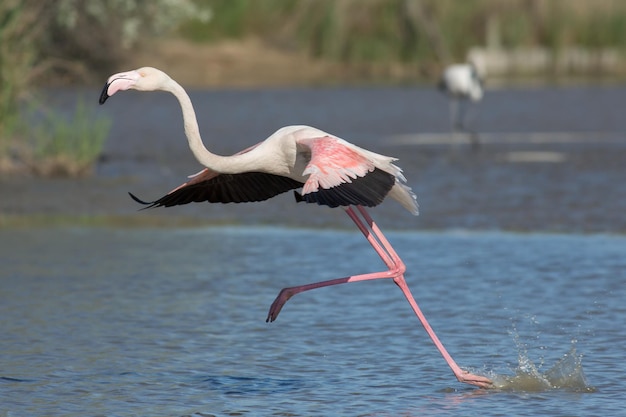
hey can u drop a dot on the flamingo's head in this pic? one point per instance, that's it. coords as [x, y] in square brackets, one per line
[142, 79]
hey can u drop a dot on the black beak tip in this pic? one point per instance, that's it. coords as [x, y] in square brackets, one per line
[104, 95]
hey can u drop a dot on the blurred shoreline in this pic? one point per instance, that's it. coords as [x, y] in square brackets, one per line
[253, 63]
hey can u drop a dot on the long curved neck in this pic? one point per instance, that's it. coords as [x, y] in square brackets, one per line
[221, 164]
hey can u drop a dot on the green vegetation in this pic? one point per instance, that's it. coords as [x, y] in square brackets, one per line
[425, 31]
[48, 143]
[16, 59]
[68, 41]
[66, 146]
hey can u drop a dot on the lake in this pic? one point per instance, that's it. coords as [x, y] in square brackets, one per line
[517, 259]
[171, 322]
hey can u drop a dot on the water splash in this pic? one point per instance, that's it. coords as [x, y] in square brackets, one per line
[566, 374]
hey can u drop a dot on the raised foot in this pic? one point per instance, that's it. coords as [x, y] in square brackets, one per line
[283, 296]
[478, 380]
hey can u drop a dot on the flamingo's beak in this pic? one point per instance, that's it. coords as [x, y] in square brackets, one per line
[119, 82]
[105, 93]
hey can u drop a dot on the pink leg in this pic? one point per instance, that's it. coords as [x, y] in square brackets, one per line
[396, 269]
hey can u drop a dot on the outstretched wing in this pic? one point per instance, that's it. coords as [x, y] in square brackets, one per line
[211, 186]
[225, 188]
[341, 175]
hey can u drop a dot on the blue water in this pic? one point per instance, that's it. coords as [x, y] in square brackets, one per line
[113, 321]
[171, 322]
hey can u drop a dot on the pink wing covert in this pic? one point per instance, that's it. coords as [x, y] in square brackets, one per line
[332, 164]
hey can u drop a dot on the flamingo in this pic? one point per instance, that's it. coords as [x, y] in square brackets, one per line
[461, 83]
[330, 171]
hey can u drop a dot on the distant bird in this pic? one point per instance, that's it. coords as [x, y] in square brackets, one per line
[462, 83]
[329, 170]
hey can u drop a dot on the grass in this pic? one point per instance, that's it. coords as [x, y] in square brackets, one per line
[51, 144]
[68, 146]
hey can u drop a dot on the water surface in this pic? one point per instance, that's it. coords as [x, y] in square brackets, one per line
[115, 321]
[171, 322]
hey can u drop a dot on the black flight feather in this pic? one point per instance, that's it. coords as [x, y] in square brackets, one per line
[227, 188]
[367, 191]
